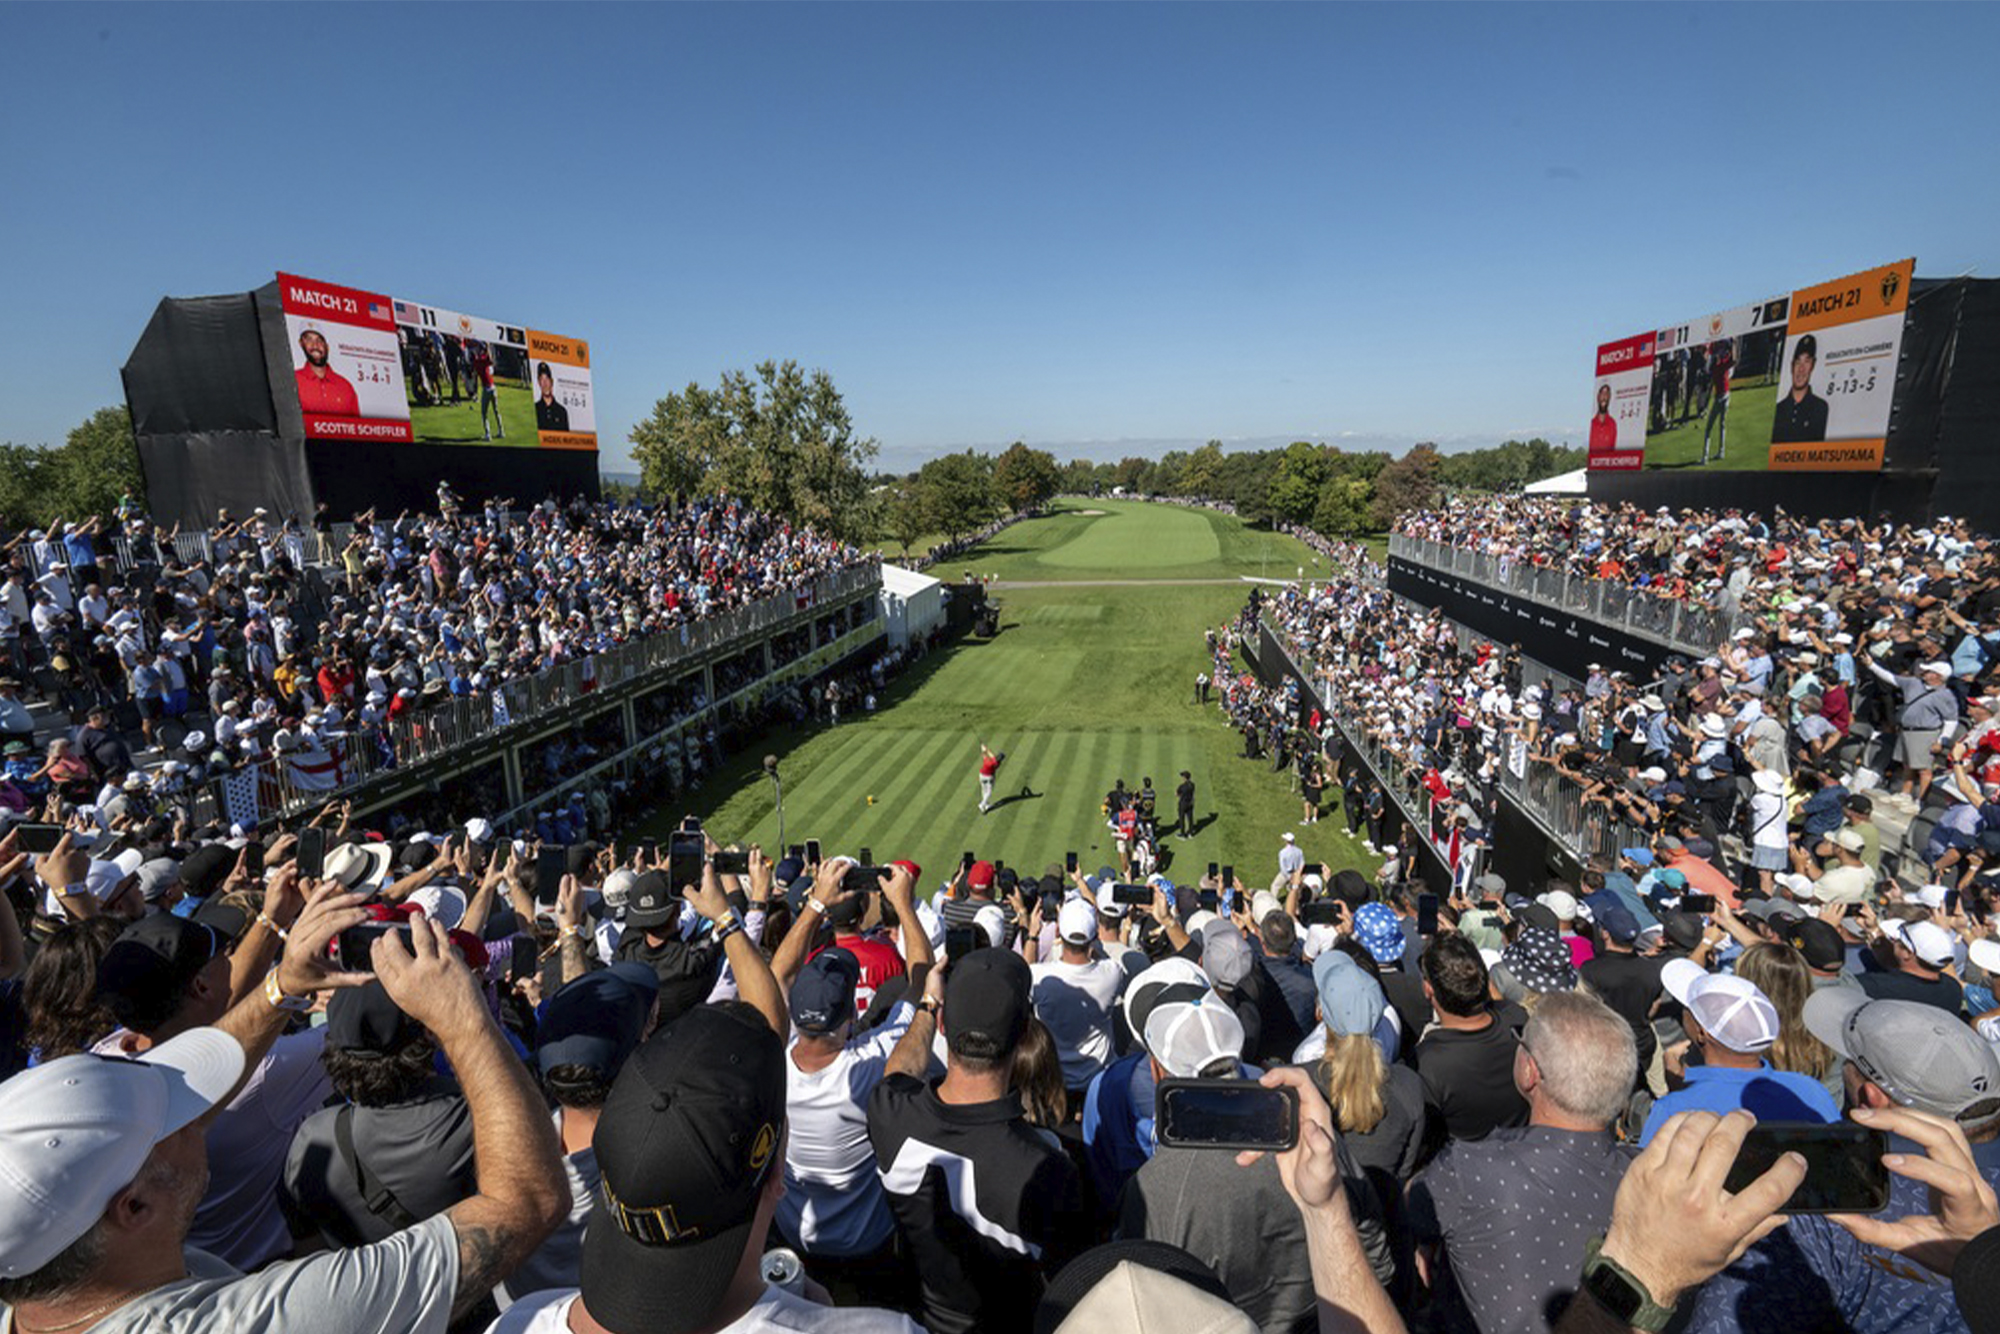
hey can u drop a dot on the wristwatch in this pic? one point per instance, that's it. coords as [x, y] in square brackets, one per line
[1620, 1292]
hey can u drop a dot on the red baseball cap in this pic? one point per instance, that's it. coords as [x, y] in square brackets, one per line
[980, 876]
[916, 871]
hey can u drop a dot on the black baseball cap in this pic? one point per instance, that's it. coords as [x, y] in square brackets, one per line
[989, 994]
[685, 1145]
[1818, 941]
[151, 959]
[204, 870]
[597, 1019]
[651, 903]
[364, 1020]
[823, 995]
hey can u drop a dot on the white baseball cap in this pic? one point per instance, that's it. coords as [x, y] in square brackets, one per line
[75, 1132]
[1560, 902]
[1735, 1012]
[1077, 922]
[1188, 1037]
[1931, 896]
[1930, 942]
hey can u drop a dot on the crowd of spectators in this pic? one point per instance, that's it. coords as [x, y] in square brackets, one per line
[274, 649]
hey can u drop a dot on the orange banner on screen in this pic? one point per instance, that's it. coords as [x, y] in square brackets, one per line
[567, 440]
[570, 351]
[1828, 456]
[1859, 296]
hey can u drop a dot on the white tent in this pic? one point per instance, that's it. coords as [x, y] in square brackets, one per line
[912, 604]
[1562, 484]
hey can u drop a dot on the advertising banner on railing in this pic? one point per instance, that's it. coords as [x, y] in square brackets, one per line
[1564, 640]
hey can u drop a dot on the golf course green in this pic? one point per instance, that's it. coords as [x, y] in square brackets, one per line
[1090, 680]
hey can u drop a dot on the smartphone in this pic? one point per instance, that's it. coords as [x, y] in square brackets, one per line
[1069, 863]
[1844, 1171]
[353, 948]
[312, 852]
[649, 851]
[960, 941]
[862, 879]
[1226, 1114]
[1427, 914]
[690, 824]
[1951, 902]
[965, 862]
[1321, 912]
[1214, 869]
[797, 852]
[685, 854]
[1131, 894]
[551, 864]
[1853, 910]
[1697, 903]
[253, 857]
[812, 852]
[39, 839]
[1228, 874]
[730, 863]
[867, 856]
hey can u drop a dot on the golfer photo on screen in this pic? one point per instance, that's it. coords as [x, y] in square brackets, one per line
[1603, 427]
[1801, 415]
[549, 414]
[322, 389]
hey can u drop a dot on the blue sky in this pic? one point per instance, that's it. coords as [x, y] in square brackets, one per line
[1076, 224]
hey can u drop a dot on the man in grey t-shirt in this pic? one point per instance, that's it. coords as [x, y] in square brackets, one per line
[104, 1161]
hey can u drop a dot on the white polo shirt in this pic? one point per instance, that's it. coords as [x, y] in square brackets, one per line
[833, 1203]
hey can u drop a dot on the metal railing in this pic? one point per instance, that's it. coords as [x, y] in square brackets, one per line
[1675, 622]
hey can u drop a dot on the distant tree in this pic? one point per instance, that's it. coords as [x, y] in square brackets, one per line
[96, 465]
[1134, 474]
[957, 491]
[1296, 484]
[904, 513]
[783, 441]
[1203, 474]
[1406, 484]
[1342, 510]
[1079, 477]
[1024, 478]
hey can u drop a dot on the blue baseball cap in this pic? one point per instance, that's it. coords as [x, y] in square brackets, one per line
[1376, 927]
[1617, 922]
[1350, 1002]
[823, 996]
[597, 1019]
[1640, 856]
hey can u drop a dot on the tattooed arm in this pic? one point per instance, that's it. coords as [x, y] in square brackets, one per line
[522, 1192]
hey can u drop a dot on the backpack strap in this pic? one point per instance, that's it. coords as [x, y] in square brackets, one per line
[375, 1193]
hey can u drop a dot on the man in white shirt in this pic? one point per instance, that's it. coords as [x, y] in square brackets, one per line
[1074, 995]
[1291, 857]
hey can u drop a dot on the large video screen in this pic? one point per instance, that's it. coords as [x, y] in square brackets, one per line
[1803, 381]
[373, 367]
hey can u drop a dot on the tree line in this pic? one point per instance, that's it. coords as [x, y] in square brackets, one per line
[93, 468]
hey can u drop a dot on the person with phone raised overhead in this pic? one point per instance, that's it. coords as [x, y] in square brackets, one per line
[1934, 1086]
[1730, 1025]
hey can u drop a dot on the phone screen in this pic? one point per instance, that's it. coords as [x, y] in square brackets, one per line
[1228, 875]
[684, 859]
[812, 852]
[1122, 893]
[550, 865]
[867, 856]
[39, 839]
[1214, 870]
[967, 860]
[1069, 862]
[797, 852]
[731, 863]
[312, 852]
[1951, 902]
[960, 941]
[1321, 912]
[353, 948]
[1697, 903]
[1427, 914]
[1844, 1171]
[649, 851]
[1227, 1114]
[253, 857]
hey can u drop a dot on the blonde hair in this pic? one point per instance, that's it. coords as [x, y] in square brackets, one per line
[1780, 972]
[1355, 1073]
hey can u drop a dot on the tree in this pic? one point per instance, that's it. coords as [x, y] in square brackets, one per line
[1080, 477]
[1024, 478]
[1406, 484]
[96, 466]
[1295, 486]
[1342, 510]
[957, 492]
[783, 441]
[1203, 475]
[904, 513]
[1133, 474]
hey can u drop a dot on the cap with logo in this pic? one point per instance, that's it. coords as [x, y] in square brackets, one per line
[686, 1142]
[822, 997]
[76, 1131]
[651, 903]
[1919, 1055]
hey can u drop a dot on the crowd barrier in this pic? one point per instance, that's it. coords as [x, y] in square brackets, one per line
[1675, 622]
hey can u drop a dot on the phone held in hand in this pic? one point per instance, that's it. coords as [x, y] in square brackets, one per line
[37, 839]
[353, 949]
[312, 852]
[1226, 1114]
[551, 864]
[1131, 894]
[1844, 1171]
[685, 855]
[730, 863]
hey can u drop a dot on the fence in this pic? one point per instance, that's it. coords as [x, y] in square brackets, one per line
[287, 785]
[1674, 622]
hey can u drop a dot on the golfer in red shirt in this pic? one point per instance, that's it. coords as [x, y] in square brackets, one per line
[1603, 427]
[323, 390]
[989, 764]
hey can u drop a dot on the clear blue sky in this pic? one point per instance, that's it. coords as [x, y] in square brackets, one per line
[1069, 223]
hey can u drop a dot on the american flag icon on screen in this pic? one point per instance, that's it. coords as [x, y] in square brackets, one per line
[377, 311]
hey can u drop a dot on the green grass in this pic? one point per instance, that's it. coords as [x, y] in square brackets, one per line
[1089, 540]
[458, 423]
[1751, 409]
[1083, 686]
